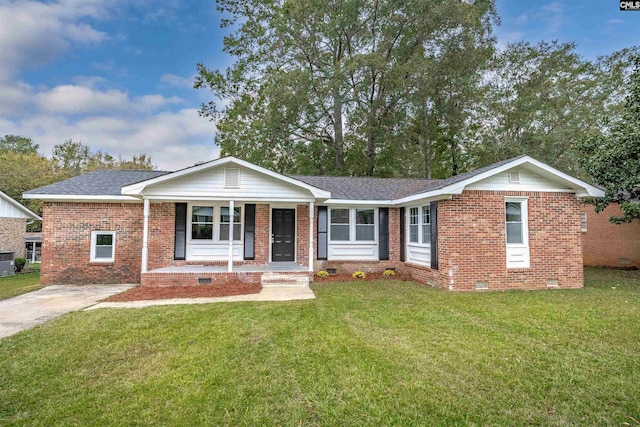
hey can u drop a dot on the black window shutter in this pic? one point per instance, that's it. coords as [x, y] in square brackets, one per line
[402, 242]
[433, 211]
[322, 232]
[249, 231]
[180, 242]
[383, 231]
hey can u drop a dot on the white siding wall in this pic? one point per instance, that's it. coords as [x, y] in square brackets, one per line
[7, 210]
[213, 251]
[353, 251]
[419, 254]
[529, 181]
[210, 183]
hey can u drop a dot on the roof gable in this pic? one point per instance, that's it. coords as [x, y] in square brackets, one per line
[207, 180]
[10, 208]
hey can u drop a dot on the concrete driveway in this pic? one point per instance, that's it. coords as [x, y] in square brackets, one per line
[28, 310]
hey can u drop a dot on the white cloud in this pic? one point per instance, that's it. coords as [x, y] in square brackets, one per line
[614, 21]
[34, 33]
[177, 81]
[87, 108]
[553, 17]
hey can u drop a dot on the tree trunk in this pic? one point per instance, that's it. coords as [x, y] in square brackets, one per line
[371, 144]
[426, 147]
[338, 135]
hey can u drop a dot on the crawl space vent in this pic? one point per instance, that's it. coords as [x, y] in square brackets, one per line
[482, 285]
[204, 280]
[552, 283]
[514, 177]
[231, 178]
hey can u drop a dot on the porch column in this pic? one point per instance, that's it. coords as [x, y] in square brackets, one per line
[311, 234]
[230, 260]
[33, 251]
[145, 237]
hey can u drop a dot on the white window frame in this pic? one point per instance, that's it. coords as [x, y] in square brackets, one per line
[215, 234]
[352, 225]
[235, 224]
[420, 225]
[519, 250]
[213, 222]
[583, 222]
[94, 238]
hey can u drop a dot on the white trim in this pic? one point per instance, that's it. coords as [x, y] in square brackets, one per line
[188, 197]
[418, 247]
[518, 250]
[231, 222]
[311, 234]
[92, 257]
[352, 226]
[145, 237]
[353, 203]
[28, 212]
[138, 188]
[81, 198]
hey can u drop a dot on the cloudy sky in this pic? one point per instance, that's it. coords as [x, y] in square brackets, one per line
[118, 75]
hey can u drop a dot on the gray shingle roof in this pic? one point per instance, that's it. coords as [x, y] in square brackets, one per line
[365, 188]
[110, 183]
[98, 183]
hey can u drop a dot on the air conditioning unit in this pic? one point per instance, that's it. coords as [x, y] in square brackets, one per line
[6, 263]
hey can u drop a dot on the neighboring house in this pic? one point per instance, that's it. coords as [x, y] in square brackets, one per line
[607, 244]
[13, 225]
[33, 244]
[511, 225]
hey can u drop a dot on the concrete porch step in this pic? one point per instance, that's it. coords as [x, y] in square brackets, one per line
[279, 279]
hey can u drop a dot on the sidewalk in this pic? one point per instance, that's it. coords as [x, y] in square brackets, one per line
[271, 293]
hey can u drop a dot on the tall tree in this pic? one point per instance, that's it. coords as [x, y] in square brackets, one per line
[325, 86]
[18, 144]
[613, 158]
[20, 172]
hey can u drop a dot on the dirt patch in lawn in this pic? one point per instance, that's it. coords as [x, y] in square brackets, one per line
[142, 293]
[347, 277]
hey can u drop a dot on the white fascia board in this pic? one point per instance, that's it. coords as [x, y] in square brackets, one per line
[187, 198]
[138, 188]
[578, 184]
[439, 194]
[346, 202]
[22, 208]
[82, 198]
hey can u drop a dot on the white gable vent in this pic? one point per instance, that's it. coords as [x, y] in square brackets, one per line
[231, 177]
[514, 176]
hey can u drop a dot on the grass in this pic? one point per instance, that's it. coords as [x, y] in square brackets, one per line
[11, 286]
[380, 353]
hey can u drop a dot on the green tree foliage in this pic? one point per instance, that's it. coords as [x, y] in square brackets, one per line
[20, 172]
[338, 86]
[18, 144]
[613, 157]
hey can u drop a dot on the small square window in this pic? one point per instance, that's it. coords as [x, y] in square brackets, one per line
[103, 246]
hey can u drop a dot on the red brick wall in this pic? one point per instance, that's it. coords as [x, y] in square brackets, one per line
[302, 234]
[66, 245]
[162, 229]
[262, 237]
[471, 229]
[607, 244]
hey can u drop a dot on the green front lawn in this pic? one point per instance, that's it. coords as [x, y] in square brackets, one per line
[10, 286]
[382, 353]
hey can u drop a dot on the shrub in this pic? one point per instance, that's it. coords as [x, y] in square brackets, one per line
[388, 272]
[19, 263]
[359, 275]
[322, 273]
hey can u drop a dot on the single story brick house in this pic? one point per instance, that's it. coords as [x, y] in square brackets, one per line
[13, 224]
[607, 244]
[510, 225]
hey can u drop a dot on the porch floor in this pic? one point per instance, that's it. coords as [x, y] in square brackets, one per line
[272, 267]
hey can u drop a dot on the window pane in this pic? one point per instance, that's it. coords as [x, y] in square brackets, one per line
[514, 212]
[413, 216]
[237, 232]
[104, 251]
[224, 231]
[364, 216]
[339, 216]
[514, 232]
[413, 233]
[426, 218]
[201, 231]
[426, 233]
[365, 232]
[224, 215]
[340, 232]
[104, 239]
[202, 214]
